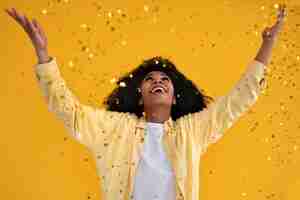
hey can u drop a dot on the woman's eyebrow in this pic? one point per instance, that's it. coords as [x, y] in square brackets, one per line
[151, 73]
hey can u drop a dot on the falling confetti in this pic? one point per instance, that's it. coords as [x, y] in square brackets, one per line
[146, 8]
[44, 11]
[113, 80]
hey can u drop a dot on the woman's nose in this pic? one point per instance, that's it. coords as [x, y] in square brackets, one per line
[157, 80]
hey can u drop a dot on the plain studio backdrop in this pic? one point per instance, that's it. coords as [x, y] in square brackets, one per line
[97, 41]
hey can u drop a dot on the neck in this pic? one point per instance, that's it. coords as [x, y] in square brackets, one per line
[157, 114]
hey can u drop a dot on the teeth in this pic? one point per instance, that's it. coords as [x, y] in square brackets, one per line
[158, 89]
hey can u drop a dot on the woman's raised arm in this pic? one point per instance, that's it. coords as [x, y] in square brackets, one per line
[58, 96]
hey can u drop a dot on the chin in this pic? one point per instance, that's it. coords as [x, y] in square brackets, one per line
[157, 101]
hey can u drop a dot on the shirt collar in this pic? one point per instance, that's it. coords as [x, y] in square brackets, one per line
[142, 123]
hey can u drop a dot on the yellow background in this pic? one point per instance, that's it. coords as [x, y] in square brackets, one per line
[210, 41]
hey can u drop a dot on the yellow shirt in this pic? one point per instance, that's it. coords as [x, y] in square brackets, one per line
[116, 139]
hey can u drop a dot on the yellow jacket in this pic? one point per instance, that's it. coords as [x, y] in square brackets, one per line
[116, 139]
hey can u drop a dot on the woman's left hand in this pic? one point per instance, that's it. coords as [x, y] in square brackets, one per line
[271, 33]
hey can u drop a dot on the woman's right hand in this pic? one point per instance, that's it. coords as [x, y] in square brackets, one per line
[35, 33]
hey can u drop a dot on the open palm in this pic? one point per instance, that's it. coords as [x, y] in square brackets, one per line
[33, 29]
[271, 33]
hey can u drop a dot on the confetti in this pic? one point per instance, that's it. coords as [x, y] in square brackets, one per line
[276, 6]
[119, 11]
[123, 43]
[146, 8]
[113, 80]
[91, 55]
[295, 147]
[71, 64]
[83, 26]
[44, 11]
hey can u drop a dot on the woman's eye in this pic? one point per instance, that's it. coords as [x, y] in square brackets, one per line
[165, 78]
[148, 78]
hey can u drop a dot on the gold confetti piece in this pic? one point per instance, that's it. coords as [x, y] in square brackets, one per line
[91, 55]
[119, 11]
[44, 11]
[244, 194]
[109, 14]
[276, 6]
[146, 8]
[269, 158]
[262, 7]
[298, 57]
[130, 75]
[154, 19]
[83, 26]
[113, 80]
[295, 147]
[123, 42]
[71, 64]
[266, 139]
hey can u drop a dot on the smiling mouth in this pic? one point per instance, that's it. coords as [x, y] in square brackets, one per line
[157, 90]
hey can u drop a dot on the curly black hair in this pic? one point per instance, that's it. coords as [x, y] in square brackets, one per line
[125, 97]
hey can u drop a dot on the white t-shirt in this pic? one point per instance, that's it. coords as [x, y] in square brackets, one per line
[154, 178]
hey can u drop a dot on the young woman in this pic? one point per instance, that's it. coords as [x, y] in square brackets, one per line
[148, 140]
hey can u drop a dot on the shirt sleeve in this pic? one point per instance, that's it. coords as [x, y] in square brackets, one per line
[209, 125]
[82, 122]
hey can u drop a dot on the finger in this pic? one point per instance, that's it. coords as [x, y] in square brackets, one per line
[15, 13]
[17, 16]
[281, 12]
[267, 31]
[22, 20]
[8, 12]
[34, 23]
[280, 17]
[29, 27]
[35, 30]
[11, 13]
[42, 32]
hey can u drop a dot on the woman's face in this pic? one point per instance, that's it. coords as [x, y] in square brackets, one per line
[157, 89]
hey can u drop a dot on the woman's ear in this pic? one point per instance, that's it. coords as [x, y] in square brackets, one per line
[139, 90]
[174, 101]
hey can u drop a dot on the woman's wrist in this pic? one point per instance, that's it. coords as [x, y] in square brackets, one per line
[43, 56]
